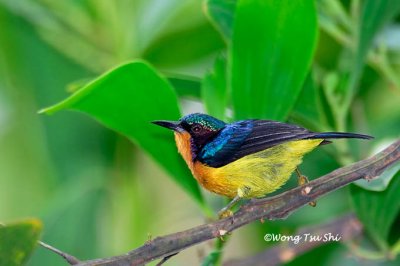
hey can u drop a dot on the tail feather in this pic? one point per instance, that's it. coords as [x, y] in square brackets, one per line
[340, 135]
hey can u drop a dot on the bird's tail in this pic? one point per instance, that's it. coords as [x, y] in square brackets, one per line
[340, 135]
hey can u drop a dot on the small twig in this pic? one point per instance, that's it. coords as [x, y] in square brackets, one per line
[346, 227]
[277, 207]
[69, 258]
[165, 259]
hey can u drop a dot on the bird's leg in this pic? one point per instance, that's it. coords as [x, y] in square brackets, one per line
[226, 211]
[301, 180]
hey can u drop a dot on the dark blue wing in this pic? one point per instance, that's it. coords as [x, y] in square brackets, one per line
[220, 150]
[250, 136]
[266, 134]
[246, 137]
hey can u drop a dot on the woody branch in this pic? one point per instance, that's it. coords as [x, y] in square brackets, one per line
[277, 207]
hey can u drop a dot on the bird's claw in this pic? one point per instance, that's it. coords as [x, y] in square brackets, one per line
[224, 214]
[313, 203]
[302, 180]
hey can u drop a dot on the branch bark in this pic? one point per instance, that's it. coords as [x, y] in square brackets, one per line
[277, 207]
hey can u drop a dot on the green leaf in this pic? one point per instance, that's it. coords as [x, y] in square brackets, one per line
[77, 84]
[214, 89]
[211, 258]
[185, 86]
[272, 47]
[378, 210]
[221, 14]
[127, 99]
[184, 46]
[18, 241]
[374, 15]
[215, 256]
[307, 110]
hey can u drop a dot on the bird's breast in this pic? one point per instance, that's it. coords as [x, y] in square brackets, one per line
[205, 175]
[263, 172]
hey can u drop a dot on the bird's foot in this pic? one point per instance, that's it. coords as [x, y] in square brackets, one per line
[313, 203]
[302, 180]
[224, 213]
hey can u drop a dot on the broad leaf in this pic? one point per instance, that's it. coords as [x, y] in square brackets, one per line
[307, 110]
[214, 89]
[185, 86]
[378, 210]
[374, 15]
[18, 241]
[272, 46]
[221, 14]
[127, 99]
[180, 47]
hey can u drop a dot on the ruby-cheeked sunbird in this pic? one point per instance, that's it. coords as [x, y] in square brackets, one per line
[244, 159]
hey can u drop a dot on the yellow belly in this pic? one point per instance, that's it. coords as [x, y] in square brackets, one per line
[262, 172]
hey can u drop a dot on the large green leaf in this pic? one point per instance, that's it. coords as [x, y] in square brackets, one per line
[127, 99]
[378, 210]
[214, 89]
[221, 14]
[17, 241]
[272, 46]
[374, 16]
[185, 86]
[184, 46]
[307, 110]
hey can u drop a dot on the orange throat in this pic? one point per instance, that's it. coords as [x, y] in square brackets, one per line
[184, 148]
[204, 174]
[183, 143]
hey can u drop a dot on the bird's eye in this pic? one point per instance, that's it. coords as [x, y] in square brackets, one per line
[196, 129]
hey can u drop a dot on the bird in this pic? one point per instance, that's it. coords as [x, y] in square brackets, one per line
[244, 159]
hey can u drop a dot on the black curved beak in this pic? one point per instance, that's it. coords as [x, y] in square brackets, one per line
[174, 125]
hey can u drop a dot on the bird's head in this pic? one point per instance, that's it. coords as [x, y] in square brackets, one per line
[200, 127]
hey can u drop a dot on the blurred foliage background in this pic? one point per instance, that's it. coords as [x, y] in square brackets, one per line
[98, 195]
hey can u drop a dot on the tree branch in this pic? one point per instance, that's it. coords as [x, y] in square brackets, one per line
[69, 258]
[277, 207]
[347, 227]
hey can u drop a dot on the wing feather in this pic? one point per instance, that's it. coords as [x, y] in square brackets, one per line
[267, 134]
[246, 137]
[250, 136]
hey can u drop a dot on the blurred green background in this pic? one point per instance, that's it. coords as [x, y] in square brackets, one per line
[99, 195]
